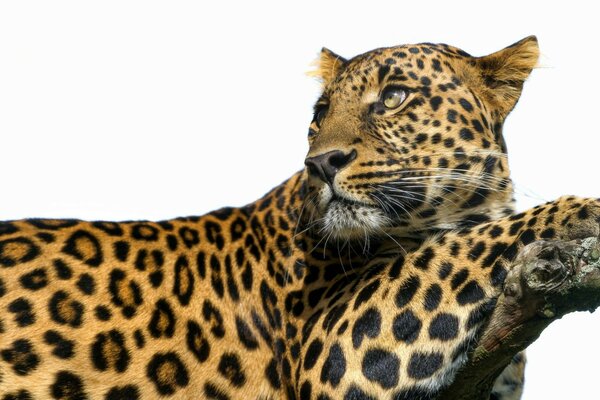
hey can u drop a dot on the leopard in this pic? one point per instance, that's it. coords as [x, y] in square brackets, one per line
[369, 274]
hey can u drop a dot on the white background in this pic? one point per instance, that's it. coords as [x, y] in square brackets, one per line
[150, 110]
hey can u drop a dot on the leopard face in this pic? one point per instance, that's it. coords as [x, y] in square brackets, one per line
[409, 138]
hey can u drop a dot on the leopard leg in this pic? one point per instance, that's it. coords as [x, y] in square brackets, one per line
[403, 326]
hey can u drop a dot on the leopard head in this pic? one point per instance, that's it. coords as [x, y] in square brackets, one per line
[409, 139]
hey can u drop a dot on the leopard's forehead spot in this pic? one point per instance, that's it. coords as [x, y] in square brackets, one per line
[411, 65]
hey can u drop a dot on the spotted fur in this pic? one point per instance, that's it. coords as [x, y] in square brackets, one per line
[285, 297]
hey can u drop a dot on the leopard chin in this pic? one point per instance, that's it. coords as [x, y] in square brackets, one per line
[349, 221]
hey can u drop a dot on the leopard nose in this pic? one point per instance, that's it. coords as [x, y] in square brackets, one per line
[326, 166]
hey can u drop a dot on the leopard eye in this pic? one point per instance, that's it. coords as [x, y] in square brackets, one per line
[320, 113]
[393, 97]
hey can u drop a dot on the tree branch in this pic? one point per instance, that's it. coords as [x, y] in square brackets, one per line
[547, 280]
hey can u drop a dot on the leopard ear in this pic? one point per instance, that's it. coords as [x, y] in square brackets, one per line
[328, 66]
[504, 73]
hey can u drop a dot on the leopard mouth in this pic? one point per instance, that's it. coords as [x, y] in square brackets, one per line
[338, 199]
